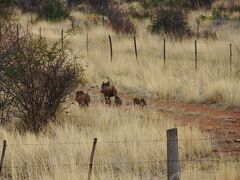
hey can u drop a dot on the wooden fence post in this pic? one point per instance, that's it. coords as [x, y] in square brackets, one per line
[0, 31]
[196, 57]
[62, 40]
[164, 51]
[173, 166]
[91, 158]
[3, 155]
[87, 45]
[135, 46]
[17, 33]
[110, 44]
[40, 33]
[31, 17]
[230, 57]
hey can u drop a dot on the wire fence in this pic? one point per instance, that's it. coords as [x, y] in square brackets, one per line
[120, 141]
[123, 162]
[109, 163]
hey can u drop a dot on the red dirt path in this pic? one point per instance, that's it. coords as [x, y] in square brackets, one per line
[223, 123]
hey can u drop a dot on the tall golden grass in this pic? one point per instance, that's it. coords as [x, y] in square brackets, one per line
[131, 142]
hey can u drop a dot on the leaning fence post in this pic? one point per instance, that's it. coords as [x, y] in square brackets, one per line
[3, 155]
[135, 47]
[173, 166]
[196, 58]
[110, 44]
[230, 58]
[91, 158]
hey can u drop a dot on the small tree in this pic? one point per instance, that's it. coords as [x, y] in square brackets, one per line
[53, 10]
[170, 21]
[37, 76]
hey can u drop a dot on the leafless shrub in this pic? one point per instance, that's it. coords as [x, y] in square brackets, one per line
[119, 20]
[36, 76]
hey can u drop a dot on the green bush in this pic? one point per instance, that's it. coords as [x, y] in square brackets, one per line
[171, 22]
[53, 10]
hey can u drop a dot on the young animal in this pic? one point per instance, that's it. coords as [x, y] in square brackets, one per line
[83, 98]
[118, 101]
[139, 102]
[143, 102]
[108, 90]
[136, 101]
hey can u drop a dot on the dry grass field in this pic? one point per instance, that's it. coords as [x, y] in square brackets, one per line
[132, 145]
[212, 83]
[132, 141]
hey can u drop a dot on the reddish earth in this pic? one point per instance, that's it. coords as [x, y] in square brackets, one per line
[222, 123]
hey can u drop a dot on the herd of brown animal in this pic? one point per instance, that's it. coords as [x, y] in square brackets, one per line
[109, 90]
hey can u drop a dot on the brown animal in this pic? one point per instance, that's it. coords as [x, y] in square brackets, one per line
[143, 102]
[83, 98]
[136, 101]
[108, 90]
[139, 102]
[118, 101]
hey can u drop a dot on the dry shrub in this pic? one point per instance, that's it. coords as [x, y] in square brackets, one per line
[119, 20]
[37, 76]
[200, 3]
[134, 9]
[6, 8]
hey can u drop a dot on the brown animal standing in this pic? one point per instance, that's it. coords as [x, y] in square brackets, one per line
[136, 101]
[139, 102]
[108, 90]
[143, 102]
[83, 98]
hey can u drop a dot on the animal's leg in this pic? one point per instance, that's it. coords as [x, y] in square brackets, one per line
[109, 101]
[106, 100]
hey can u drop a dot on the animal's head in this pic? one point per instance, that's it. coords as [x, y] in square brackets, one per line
[79, 93]
[105, 84]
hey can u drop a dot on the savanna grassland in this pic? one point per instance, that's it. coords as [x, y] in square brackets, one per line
[132, 140]
[212, 83]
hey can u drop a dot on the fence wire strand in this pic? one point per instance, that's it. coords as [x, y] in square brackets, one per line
[117, 163]
[115, 142]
